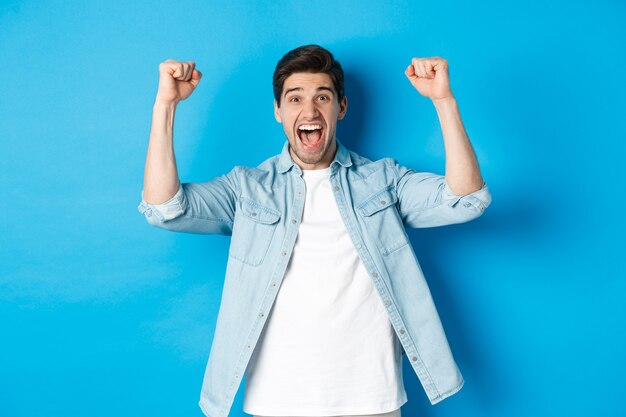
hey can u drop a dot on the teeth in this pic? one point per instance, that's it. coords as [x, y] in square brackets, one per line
[310, 127]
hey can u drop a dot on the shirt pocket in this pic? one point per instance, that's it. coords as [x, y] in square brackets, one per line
[382, 220]
[253, 229]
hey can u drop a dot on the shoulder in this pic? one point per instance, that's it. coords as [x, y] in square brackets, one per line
[363, 168]
[264, 173]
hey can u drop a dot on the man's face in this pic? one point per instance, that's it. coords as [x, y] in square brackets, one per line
[309, 111]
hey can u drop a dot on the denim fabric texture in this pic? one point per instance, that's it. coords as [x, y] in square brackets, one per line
[261, 209]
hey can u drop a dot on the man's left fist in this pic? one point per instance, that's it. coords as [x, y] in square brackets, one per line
[430, 77]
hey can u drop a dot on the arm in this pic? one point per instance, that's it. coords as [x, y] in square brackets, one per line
[430, 78]
[177, 80]
[206, 207]
[462, 172]
[160, 178]
[426, 199]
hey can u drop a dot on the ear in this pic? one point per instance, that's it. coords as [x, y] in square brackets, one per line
[343, 108]
[277, 112]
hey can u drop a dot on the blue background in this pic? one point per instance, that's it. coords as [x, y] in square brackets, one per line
[101, 314]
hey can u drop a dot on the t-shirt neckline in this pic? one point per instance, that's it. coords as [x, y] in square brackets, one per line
[324, 172]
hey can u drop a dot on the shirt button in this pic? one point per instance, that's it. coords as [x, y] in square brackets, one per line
[253, 214]
[294, 221]
[414, 358]
[261, 315]
[374, 274]
[401, 331]
[358, 246]
[387, 303]
[284, 253]
[336, 188]
[382, 202]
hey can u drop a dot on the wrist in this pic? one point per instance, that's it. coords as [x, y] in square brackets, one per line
[444, 100]
[445, 105]
[165, 104]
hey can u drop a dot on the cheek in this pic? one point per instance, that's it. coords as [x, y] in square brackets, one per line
[286, 118]
[287, 129]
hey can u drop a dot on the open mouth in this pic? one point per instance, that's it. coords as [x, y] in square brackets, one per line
[311, 136]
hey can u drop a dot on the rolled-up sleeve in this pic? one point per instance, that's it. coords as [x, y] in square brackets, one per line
[197, 207]
[158, 213]
[426, 200]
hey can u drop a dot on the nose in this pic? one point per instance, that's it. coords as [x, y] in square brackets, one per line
[310, 110]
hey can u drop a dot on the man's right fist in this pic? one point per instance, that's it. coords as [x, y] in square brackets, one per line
[177, 80]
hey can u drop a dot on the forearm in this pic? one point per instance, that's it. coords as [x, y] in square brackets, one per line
[462, 171]
[160, 174]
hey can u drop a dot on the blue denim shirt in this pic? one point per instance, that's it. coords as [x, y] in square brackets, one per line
[261, 208]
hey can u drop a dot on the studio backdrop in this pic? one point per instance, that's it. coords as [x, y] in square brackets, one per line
[103, 315]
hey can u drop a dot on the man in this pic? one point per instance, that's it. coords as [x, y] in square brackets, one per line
[323, 293]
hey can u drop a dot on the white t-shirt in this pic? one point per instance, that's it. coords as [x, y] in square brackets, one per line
[328, 347]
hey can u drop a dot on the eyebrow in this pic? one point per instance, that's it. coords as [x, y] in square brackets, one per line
[323, 88]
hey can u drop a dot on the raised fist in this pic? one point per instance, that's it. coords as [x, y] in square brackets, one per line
[177, 80]
[430, 77]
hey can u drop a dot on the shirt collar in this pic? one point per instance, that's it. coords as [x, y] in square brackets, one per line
[285, 162]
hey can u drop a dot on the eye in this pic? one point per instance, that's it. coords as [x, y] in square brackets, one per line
[324, 98]
[294, 99]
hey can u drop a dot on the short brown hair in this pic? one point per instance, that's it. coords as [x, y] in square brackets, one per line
[308, 58]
